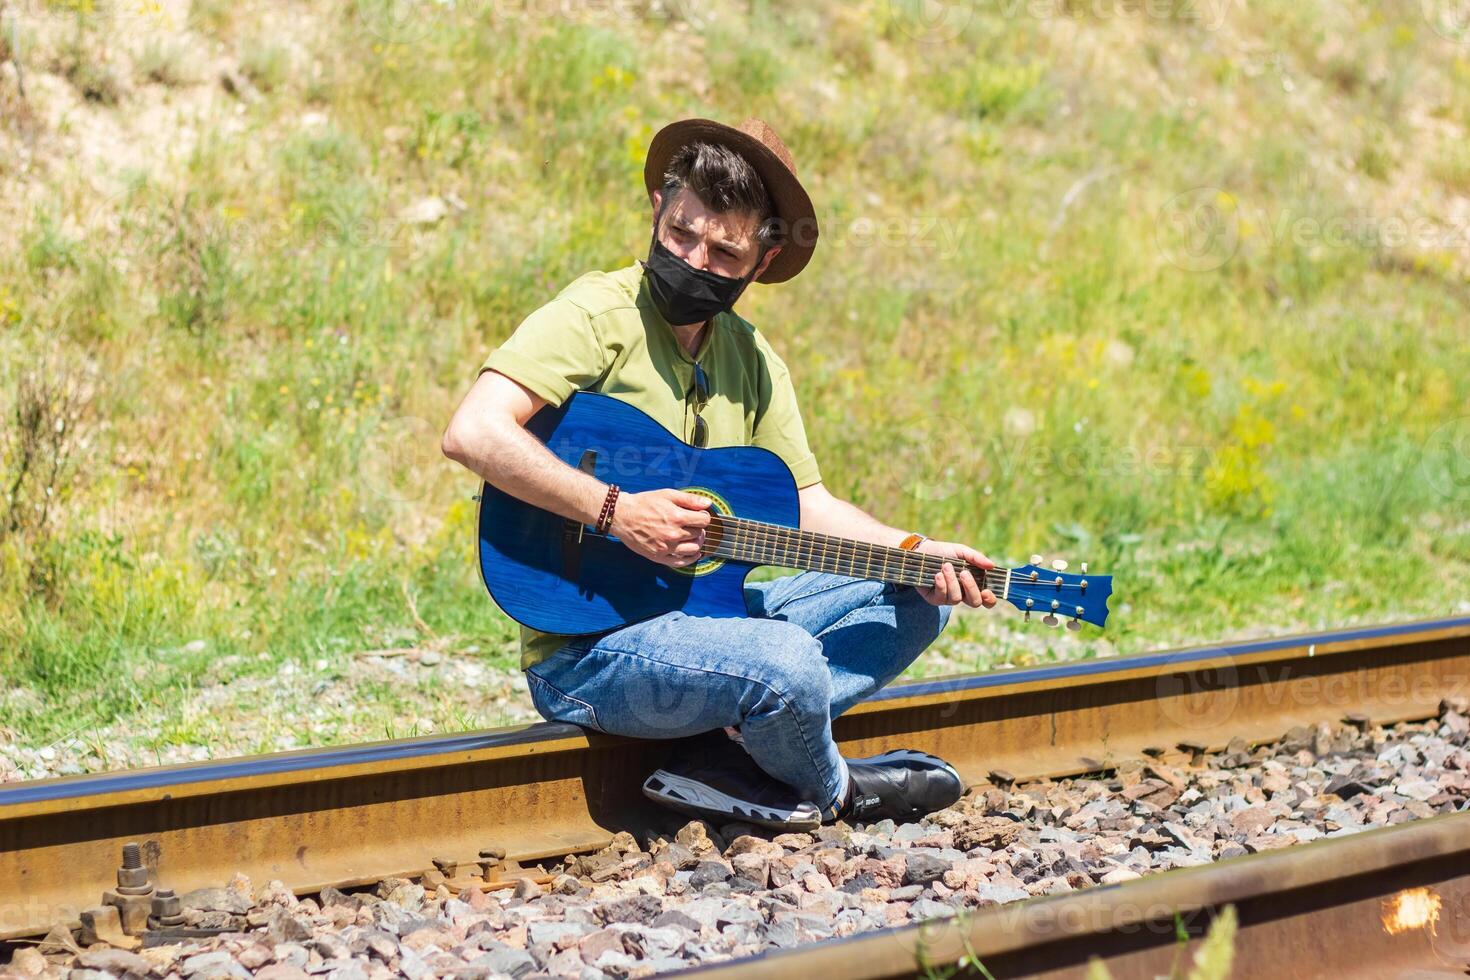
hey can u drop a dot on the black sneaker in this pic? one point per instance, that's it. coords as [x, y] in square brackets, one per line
[713, 778]
[901, 785]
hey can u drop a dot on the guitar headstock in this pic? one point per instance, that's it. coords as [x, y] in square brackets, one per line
[1060, 596]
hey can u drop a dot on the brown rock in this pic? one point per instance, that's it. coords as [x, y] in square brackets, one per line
[793, 842]
[1143, 788]
[783, 868]
[886, 873]
[420, 938]
[1251, 821]
[699, 837]
[816, 883]
[281, 971]
[1275, 782]
[1268, 842]
[594, 944]
[755, 868]
[1162, 798]
[115, 961]
[255, 956]
[991, 832]
[28, 961]
[969, 873]
[1173, 777]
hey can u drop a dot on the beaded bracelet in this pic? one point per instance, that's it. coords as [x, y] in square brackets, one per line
[604, 519]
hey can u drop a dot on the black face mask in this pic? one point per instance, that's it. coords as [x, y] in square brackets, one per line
[684, 294]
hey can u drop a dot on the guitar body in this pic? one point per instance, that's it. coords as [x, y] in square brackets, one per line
[542, 576]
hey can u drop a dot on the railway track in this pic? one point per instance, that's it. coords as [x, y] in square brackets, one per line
[353, 816]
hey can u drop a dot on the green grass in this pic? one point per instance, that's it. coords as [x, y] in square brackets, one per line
[1017, 331]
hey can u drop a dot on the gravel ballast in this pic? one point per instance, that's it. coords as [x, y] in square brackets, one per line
[704, 894]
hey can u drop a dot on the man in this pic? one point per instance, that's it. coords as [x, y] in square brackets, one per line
[754, 697]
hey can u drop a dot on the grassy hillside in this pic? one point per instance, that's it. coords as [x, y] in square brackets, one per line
[1177, 290]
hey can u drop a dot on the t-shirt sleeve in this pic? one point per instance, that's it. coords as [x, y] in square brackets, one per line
[778, 425]
[554, 352]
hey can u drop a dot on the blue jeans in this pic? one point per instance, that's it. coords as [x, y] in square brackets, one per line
[815, 644]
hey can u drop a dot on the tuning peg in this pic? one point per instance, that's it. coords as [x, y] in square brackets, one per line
[1050, 620]
[1036, 559]
[1074, 625]
[1059, 564]
[1084, 568]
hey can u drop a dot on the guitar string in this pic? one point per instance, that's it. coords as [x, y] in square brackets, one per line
[771, 536]
[763, 541]
[760, 542]
[767, 539]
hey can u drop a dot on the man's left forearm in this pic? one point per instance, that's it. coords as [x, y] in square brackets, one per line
[953, 583]
[826, 514]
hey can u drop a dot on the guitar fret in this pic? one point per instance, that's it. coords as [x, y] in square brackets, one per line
[761, 543]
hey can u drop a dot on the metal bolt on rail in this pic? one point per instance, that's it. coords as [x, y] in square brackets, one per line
[168, 910]
[133, 897]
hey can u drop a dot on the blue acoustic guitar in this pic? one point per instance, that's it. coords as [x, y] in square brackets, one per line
[561, 576]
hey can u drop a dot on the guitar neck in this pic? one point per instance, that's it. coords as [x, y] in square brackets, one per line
[759, 543]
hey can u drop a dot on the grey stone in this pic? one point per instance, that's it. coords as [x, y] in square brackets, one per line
[412, 965]
[734, 913]
[347, 970]
[215, 900]
[923, 868]
[782, 933]
[507, 959]
[554, 933]
[641, 909]
[216, 964]
[379, 944]
[1001, 894]
[927, 908]
[407, 896]
[331, 947]
[292, 954]
[707, 873]
[677, 919]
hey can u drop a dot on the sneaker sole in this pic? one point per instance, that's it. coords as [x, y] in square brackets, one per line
[702, 800]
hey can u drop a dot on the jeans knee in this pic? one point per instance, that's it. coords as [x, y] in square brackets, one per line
[789, 665]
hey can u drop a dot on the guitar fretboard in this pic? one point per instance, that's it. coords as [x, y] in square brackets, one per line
[759, 543]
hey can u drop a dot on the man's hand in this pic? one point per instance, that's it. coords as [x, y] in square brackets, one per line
[952, 586]
[666, 526]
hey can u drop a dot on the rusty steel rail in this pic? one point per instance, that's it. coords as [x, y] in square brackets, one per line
[1382, 903]
[353, 815]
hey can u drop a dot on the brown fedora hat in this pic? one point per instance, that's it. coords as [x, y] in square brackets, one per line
[758, 143]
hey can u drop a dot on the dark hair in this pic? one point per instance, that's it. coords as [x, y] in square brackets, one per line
[724, 181]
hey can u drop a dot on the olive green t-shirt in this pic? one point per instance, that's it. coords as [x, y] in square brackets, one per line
[603, 333]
